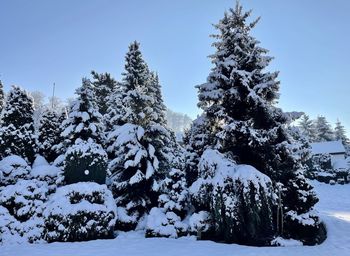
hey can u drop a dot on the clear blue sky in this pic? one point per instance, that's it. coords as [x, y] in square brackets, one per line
[61, 41]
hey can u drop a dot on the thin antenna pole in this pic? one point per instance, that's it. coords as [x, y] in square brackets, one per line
[53, 95]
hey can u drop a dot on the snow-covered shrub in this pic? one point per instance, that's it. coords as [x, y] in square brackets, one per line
[21, 207]
[13, 168]
[320, 168]
[79, 212]
[164, 224]
[13, 231]
[306, 227]
[166, 221]
[24, 199]
[300, 221]
[7, 223]
[43, 171]
[280, 241]
[85, 161]
[175, 196]
[238, 197]
[200, 222]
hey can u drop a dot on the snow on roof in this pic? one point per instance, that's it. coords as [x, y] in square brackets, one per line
[327, 147]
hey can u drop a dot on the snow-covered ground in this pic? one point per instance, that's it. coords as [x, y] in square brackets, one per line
[334, 207]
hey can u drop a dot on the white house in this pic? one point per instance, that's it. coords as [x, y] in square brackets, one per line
[335, 149]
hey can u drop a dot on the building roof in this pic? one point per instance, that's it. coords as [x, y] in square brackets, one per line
[327, 147]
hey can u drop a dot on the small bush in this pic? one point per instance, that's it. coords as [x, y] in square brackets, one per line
[80, 212]
[24, 199]
[85, 161]
[13, 168]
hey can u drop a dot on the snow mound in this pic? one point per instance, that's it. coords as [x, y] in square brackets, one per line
[164, 224]
[279, 241]
[42, 170]
[214, 167]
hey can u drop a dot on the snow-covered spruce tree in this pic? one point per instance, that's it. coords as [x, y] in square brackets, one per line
[139, 144]
[116, 111]
[83, 135]
[239, 99]
[166, 220]
[136, 79]
[17, 135]
[84, 120]
[340, 133]
[49, 133]
[104, 86]
[197, 139]
[2, 96]
[307, 127]
[133, 169]
[324, 130]
[156, 131]
[158, 106]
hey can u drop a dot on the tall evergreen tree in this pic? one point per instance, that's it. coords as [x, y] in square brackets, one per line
[136, 77]
[49, 133]
[103, 85]
[17, 126]
[139, 145]
[238, 100]
[83, 137]
[2, 96]
[323, 129]
[340, 133]
[84, 120]
[197, 139]
[116, 111]
[308, 128]
[158, 106]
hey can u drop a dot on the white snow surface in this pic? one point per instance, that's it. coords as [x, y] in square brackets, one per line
[327, 147]
[334, 207]
[41, 168]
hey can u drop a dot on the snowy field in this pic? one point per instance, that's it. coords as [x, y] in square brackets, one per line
[334, 207]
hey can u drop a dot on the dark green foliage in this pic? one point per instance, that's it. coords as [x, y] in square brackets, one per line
[85, 161]
[88, 214]
[197, 139]
[49, 134]
[307, 127]
[84, 120]
[312, 234]
[104, 85]
[17, 126]
[2, 96]
[239, 199]
[340, 133]
[134, 180]
[324, 131]
[12, 169]
[239, 102]
[24, 199]
[250, 222]
[139, 145]
[136, 80]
